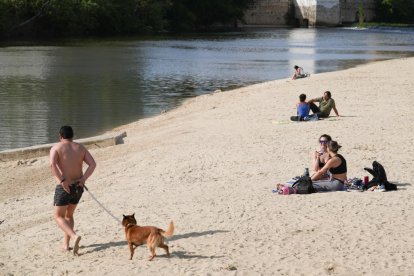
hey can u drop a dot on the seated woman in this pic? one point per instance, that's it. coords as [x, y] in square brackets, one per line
[336, 165]
[321, 156]
[299, 73]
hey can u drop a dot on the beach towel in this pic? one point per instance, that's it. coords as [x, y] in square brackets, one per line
[312, 117]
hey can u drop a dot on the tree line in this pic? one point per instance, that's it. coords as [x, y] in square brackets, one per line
[63, 18]
[395, 11]
[54, 18]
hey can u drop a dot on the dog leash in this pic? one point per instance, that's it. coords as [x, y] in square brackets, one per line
[100, 204]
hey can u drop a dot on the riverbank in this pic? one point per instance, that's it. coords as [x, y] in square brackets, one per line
[210, 165]
[158, 74]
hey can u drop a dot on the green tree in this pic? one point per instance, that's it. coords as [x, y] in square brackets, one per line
[54, 18]
[400, 11]
[203, 14]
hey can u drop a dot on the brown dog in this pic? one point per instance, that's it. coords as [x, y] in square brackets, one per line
[138, 235]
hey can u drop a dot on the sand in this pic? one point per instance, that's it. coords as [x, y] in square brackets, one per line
[210, 166]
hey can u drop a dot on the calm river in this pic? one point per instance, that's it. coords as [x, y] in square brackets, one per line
[98, 85]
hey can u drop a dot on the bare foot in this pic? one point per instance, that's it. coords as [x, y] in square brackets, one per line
[76, 245]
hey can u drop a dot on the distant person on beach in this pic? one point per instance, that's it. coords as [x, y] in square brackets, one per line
[326, 104]
[336, 166]
[299, 73]
[320, 157]
[66, 160]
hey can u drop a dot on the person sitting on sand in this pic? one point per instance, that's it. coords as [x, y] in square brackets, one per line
[299, 73]
[320, 157]
[302, 109]
[336, 165]
[326, 104]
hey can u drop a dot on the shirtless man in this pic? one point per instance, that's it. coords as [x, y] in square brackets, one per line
[66, 160]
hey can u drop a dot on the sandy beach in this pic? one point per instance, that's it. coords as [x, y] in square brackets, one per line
[210, 166]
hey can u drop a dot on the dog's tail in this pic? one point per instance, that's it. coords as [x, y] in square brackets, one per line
[169, 231]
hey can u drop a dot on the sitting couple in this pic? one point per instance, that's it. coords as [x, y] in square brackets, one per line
[326, 104]
[330, 169]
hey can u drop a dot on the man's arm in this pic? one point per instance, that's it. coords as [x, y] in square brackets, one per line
[336, 111]
[315, 100]
[53, 163]
[88, 159]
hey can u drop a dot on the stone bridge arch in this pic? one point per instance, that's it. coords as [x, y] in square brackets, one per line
[310, 13]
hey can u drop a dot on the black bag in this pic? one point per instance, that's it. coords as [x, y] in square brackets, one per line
[379, 177]
[304, 185]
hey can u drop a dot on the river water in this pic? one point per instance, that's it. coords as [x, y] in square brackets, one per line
[95, 85]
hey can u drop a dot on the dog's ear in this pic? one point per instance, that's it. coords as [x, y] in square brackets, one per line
[133, 215]
[123, 215]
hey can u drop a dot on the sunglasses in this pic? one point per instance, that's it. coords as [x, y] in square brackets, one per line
[323, 141]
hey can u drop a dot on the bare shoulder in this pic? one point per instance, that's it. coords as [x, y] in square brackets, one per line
[333, 161]
[79, 147]
[55, 147]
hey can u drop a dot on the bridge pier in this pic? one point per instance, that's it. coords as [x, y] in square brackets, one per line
[308, 13]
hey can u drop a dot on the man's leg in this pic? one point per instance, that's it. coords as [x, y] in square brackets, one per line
[64, 219]
[314, 108]
[69, 218]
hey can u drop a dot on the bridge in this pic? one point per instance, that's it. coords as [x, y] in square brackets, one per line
[310, 13]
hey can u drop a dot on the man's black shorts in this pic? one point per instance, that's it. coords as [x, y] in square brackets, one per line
[62, 198]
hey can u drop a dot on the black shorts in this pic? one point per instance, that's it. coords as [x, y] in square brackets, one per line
[62, 198]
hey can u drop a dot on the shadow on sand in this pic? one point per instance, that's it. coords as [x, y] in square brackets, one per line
[401, 186]
[186, 255]
[180, 254]
[195, 234]
[102, 246]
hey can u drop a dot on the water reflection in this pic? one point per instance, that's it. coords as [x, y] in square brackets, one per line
[97, 85]
[302, 49]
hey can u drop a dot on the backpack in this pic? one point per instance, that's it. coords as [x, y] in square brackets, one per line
[379, 177]
[304, 185]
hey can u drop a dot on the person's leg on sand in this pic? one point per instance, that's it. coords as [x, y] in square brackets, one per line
[64, 218]
[315, 109]
[69, 218]
[76, 245]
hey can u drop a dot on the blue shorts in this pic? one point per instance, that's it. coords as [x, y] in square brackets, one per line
[62, 198]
